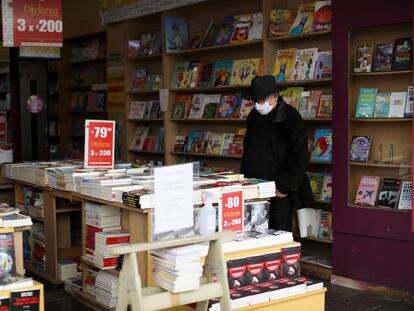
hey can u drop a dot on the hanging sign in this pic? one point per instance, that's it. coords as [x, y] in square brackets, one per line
[32, 23]
[3, 127]
[99, 143]
[231, 212]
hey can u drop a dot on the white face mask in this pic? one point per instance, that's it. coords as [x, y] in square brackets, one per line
[264, 108]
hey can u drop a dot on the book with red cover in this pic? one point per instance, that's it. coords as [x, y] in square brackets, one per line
[236, 148]
[226, 109]
[111, 238]
[367, 190]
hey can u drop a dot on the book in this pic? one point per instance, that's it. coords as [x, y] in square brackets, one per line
[360, 147]
[363, 58]
[367, 190]
[227, 141]
[226, 108]
[316, 182]
[322, 19]
[181, 76]
[323, 65]
[325, 226]
[256, 29]
[195, 40]
[308, 219]
[383, 57]
[322, 150]
[211, 103]
[224, 34]
[222, 73]
[246, 107]
[402, 56]
[138, 140]
[7, 258]
[155, 43]
[304, 19]
[408, 112]
[236, 147]
[326, 194]
[397, 105]
[196, 70]
[406, 196]
[155, 109]
[285, 58]
[5, 303]
[207, 33]
[136, 110]
[15, 220]
[214, 143]
[304, 66]
[366, 102]
[325, 107]
[280, 21]
[181, 104]
[196, 108]
[245, 70]
[25, 300]
[313, 104]
[205, 75]
[176, 33]
[389, 193]
[382, 105]
[303, 103]
[13, 281]
[241, 27]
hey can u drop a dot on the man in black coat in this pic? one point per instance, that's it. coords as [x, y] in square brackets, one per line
[276, 148]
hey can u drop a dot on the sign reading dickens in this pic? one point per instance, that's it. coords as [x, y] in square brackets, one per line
[231, 212]
[99, 143]
[32, 23]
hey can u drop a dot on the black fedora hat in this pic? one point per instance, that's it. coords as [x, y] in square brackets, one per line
[261, 87]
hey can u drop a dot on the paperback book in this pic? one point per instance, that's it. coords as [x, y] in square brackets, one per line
[408, 112]
[316, 183]
[363, 58]
[181, 77]
[323, 66]
[313, 104]
[285, 59]
[227, 106]
[304, 66]
[222, 73]
[241, 28]
[397, 105]
[211, 103]
[303, 22]
[389, 194]
[367, 190]
[196, 107]
[176, 33]
[366, 102]
[322, 150]
[280, 21]
[403, 54]
[322, 20]
[292, 96]
[383, 57]
[360, 147]
[325, 107]
[224, 34]
[182, 102]
[405, 202]
[326, 194]
[245, 70]
[382, 105]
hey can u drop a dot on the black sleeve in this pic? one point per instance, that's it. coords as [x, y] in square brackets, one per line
[296, 165]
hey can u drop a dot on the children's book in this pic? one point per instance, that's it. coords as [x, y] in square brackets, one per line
[176, 33]
[182, 101]
[322, 19]
[304, 66]
[383, 57]
[322, 150]
[245, 70]
[196, 71]
[211, 103]
[291, 95]
[316, 183]
[224, 34]
[222, 73]
[326, 194]
[197, 107]
[367, 190]
[304, 19]
[285, 59]
[241, 27]
[141, 134]
[181, 75]
[323, 66]
[226, 108]
[382, 105]
[360, 147]
[303, 103]
[246, 107]
[179, 143]
[256, 30]
[389, 193]
[325, 107]
[403, 54]
[408, 113]
[325, 226]
[397, 105]
[363, 58]
[137, 109]
[366, 102]
[205, 75]
[214, 143]
[313, 104]
[227, 141]
[405, 202]
[280, 21]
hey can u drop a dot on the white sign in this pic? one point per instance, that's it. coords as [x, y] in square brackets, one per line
[164, 98]
[173, 197]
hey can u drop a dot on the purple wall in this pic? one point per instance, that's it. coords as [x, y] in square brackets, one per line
[374, 246]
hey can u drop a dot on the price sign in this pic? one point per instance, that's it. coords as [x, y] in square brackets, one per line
[231, 214]
[99, 143]
[32, 23]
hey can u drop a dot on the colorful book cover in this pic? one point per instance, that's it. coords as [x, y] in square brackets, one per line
[226, 108]
[137, 109]
[214, 143]
[7, 258]
[205, 76]
[227, 141]
[326, 194]
[280, 21]
[325, 226]
[211, 103]
[397, 105]
[182, 101]
[197, 107]
[402, 58]
[241, 27]
[303, 103]
[325, 107]
[245, 108]
[285, 59]
[313, 104]
[236, 148]
[316, 183]
[363, 58]
[225, 31]
[322, 19]
[304, 19]
[222, 73]
[366, 102]
[406, 196]
[383, 57]
[304, 66]
[179, 143]
[360, 147]
[198, 141]
[256, 30]
[291, 95]
[382, 105]
[141, 134]
[133, 48]
[408, 113]
[245, 70]
[181, 74]
[323, 66]
[196, 71]
[367, 190]
[389, 193]
[322, 150]
[176, 33]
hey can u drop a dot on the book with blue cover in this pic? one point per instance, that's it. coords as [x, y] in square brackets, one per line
[176, 33]
[322, 150]
[382, 105]
[222, 73]
[366, 102]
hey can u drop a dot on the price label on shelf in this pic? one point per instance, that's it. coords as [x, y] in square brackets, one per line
[231, 212]
[99, 143]
[32, 23]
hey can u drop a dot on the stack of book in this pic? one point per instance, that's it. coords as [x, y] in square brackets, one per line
[104, 242]
[90, 281]
[107, 289]
[178, 269]
[64, 178]
[73, 285]
[33, 202]
[10, 217]
[99, 218]
[12, 281]
[103, 187]
[67, 269]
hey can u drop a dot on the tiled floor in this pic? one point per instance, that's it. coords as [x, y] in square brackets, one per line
[337, 299]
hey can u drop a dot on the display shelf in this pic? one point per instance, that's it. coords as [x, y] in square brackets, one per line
[378, 208]
[208, 120]
[210, 89]
[382, 165]
[206, 155]
[375, 120]
[41, 219]
[320, 162]
[311, 82]
[223, 47]
[312, 35]
[88, 112]
[6, 186]
[85, 61]
[89, 300]
[381, 73]
[145, 57]
[158, 120]
[318, 120]
[68, 209]
[144, 151]
[141, 93]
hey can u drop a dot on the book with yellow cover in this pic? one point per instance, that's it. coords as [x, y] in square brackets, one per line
[304, 19]
[285, 59]
[244, 70]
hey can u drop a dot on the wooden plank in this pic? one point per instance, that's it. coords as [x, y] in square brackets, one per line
[375, 120]
[385, 165]
[63, 230]
[381, 73]
[206, 155]
[138, 232]
[50, 234]
[69, 252]
[312, 35]
[18, 252]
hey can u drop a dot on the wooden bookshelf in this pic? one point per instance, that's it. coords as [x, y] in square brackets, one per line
[144, 151]
[380, 73]
[208, 120]
[381, 120]
[194, 154]
[308, 36]
[312, 82]
[381, 165]
[84, 61]
[216, 89]
[146, 57]
[146, 120]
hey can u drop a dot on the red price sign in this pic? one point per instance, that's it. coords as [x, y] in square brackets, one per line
[99, 143]
[231, 212]
[3, 127]
[32, 23]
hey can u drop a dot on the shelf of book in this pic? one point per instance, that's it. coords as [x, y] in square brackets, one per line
[380, 73]
[215, 89]
[141, 93]
[209, 120]
[379, 208]
[311, 35]
[84, 61]
[67, 209]
[375, 120]
[381, 165]
[145, 57]
[205, 155]
[315, 239]
[146, 151]
[311, 82]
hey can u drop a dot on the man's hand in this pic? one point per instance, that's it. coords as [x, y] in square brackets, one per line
[280, 195]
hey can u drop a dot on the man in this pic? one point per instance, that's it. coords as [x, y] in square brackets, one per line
[276, 148]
